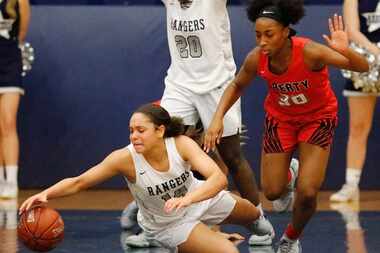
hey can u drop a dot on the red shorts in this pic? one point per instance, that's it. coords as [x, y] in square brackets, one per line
[284, 136]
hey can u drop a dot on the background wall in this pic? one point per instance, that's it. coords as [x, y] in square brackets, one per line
[95, 64]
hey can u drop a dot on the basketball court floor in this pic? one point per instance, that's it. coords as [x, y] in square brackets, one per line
[92, 225]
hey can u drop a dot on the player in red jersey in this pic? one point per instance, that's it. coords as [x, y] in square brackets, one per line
[301, 108]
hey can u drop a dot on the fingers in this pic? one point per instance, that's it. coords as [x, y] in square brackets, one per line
[209, 142]
[236, 236]
[29, 203]
[327, 39]
[331, 26]
[341, 23]
[336, 23]
[172, 204]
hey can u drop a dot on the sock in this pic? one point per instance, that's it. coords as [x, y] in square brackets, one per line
[353, 223]
[2, 177]
[291, 233]
[353, 177]
[260, 207]
[289, 177]
[11, 171]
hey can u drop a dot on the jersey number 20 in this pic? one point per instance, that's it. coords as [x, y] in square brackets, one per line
[188, 46]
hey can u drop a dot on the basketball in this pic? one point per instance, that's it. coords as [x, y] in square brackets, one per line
[40, 228]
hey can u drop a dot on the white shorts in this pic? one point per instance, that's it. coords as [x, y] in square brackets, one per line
[211, 212]
[191, 107]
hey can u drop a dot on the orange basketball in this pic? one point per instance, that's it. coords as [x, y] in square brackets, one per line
[41, 228]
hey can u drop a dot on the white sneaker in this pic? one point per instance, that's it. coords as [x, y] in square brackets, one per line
[261, 249]
[10, 191]
[285, 203]
[128, 217]
[140, 241]
[347, 193]
[289, 246]
[263, 233]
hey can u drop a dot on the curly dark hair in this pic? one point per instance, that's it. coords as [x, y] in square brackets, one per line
[293, 10]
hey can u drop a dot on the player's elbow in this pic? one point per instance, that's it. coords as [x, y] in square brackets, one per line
[223, 181]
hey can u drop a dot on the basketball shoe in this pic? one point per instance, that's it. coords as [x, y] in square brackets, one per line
[128, 217]
[289, 246]
[263, 232]
[347, 193]
[140, 241]
[285, 203]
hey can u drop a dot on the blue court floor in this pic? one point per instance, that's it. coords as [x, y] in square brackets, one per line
[92, 231]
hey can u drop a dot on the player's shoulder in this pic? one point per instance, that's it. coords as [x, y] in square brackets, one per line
[121, 155]
[185, 145]
[183, 140]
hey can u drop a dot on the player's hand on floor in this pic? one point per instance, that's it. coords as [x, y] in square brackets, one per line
[232, 237]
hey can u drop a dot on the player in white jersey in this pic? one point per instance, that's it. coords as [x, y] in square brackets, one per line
[174, 207]
[202, 64]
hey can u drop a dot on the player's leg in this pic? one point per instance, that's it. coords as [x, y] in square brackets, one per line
[215, 242]
[314, 140]
[279, 141]
[313, 163]
[231, 153]
[247, 214]
[360, 123]
[9, 103]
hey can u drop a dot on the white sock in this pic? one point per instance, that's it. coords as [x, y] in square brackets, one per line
[353, 177]
[11, 171]
[352, 222]
[260, 207]
[2, 177]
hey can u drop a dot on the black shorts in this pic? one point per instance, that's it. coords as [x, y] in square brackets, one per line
[10, 65]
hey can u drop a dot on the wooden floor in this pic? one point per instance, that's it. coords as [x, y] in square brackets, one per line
[118, 199]
[90, 215]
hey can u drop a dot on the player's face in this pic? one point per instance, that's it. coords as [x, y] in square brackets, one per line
[271, 35]
[143, 134]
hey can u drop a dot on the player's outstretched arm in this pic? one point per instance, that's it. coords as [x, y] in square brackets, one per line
[115, 163]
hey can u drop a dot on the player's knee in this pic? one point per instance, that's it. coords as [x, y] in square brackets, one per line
[272, 193]
[307, 196]
[7, 126]
[359, 130]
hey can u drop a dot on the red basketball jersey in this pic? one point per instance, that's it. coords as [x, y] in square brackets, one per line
[299, 93]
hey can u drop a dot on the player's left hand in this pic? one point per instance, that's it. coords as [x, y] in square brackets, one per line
[338, 39]
[176, 204]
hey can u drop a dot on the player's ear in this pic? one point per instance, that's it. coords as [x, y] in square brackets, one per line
[161, 131]
[286, 31]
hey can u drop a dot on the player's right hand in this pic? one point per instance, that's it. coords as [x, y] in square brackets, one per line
[213, 135]
[34, 200]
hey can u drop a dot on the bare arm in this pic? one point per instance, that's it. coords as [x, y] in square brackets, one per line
[117, 162]
[351, 20]
[232, 93]
[24, 19]
[201, 162]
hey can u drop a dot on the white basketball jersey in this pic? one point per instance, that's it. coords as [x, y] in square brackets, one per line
[200, 44]
[152, 188]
